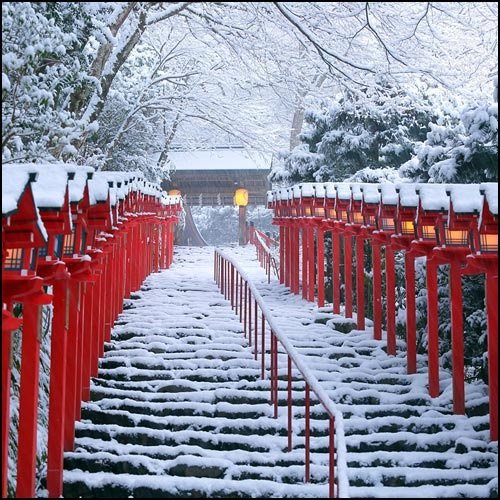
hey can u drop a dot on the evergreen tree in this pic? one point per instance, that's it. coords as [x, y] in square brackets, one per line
[376, 129]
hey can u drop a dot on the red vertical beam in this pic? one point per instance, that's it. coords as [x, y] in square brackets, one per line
[390, 283]
[71, 367]
[336, 273]
[411, 326]
[457, 338]
[290, 407]
[321, 267]
[6, 369]
[331, 458]
[305, 254]
[87, 340]
[95, 324]
[263, 346]
[348, 275]
[28, 402]
[377, 290]
[282, 254]
[432, 328]
[296, 263]
[360, 282]
[311, 274]
[307, 434]
[492, 326]
[79, 353]
[57, 391]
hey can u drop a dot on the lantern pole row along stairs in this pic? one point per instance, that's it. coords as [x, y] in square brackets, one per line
[454, 225]
[82, 241]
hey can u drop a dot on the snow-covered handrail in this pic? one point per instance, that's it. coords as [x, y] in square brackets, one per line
[226, 274]
[265, 255]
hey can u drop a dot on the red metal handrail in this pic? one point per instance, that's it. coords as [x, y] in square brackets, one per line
[231, 278]
[264, 253]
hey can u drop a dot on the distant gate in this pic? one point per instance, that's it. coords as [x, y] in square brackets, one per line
[210, 177]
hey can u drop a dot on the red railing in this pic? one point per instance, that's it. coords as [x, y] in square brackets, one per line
[247, 302]
[265, 255]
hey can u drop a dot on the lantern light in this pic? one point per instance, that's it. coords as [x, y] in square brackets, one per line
[241, 197]
[174, 192]
[488, 242]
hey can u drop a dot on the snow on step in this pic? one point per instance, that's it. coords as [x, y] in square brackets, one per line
[400, 442]
[179, 408]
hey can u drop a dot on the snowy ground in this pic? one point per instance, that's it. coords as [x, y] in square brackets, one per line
[180, 378]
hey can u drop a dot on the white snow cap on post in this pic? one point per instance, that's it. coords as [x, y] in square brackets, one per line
[79, 181]
[465, 198]
[490, 190]
[433, 196]
[330, 190]
[319, 190]
[343, 190]
[408, 196]
[13, 185]
[306, 189]
[50, 187]
[389, 195]
[370, 193]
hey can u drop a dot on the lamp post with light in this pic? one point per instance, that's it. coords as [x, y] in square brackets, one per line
[241, 201]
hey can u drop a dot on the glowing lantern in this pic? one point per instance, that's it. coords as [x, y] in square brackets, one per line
[174, 192]
[241, 197]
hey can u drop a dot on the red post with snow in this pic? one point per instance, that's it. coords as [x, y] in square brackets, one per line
[454, 226]
[93, 238]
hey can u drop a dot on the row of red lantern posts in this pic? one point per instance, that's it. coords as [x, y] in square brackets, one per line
[453, 224]
[89, 238]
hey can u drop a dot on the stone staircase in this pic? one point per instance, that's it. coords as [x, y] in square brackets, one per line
[179, 409]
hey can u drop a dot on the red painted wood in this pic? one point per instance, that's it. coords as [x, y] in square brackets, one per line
[71, 367]
[492, 325]
[432, 328]
[390, 276]
[411, 327]
[348, 275]
[360, 282]
[305, 255]
[6, 369]
[457, 338]
[311, 274]
[283, 252]
[57, 391]
[377, 291]
[28, 401]
[336, 272]
[321, 267]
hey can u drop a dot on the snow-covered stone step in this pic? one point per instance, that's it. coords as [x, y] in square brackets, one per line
[207, 375]
[91, 485]
[489, 490]
[204, 438]
[89, 447]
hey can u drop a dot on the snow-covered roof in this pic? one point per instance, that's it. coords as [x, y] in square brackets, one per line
[465, 198]
[77, 185]
[50, 187]
[343, 190]
[319, 190]
[219, 159]
[388, 193]
[370, 193]
[307, 189]
[433, 196]
[330, 190]
[98, 188]
[408, 196]
[357, 195]
[13, 185]
[491, 192]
